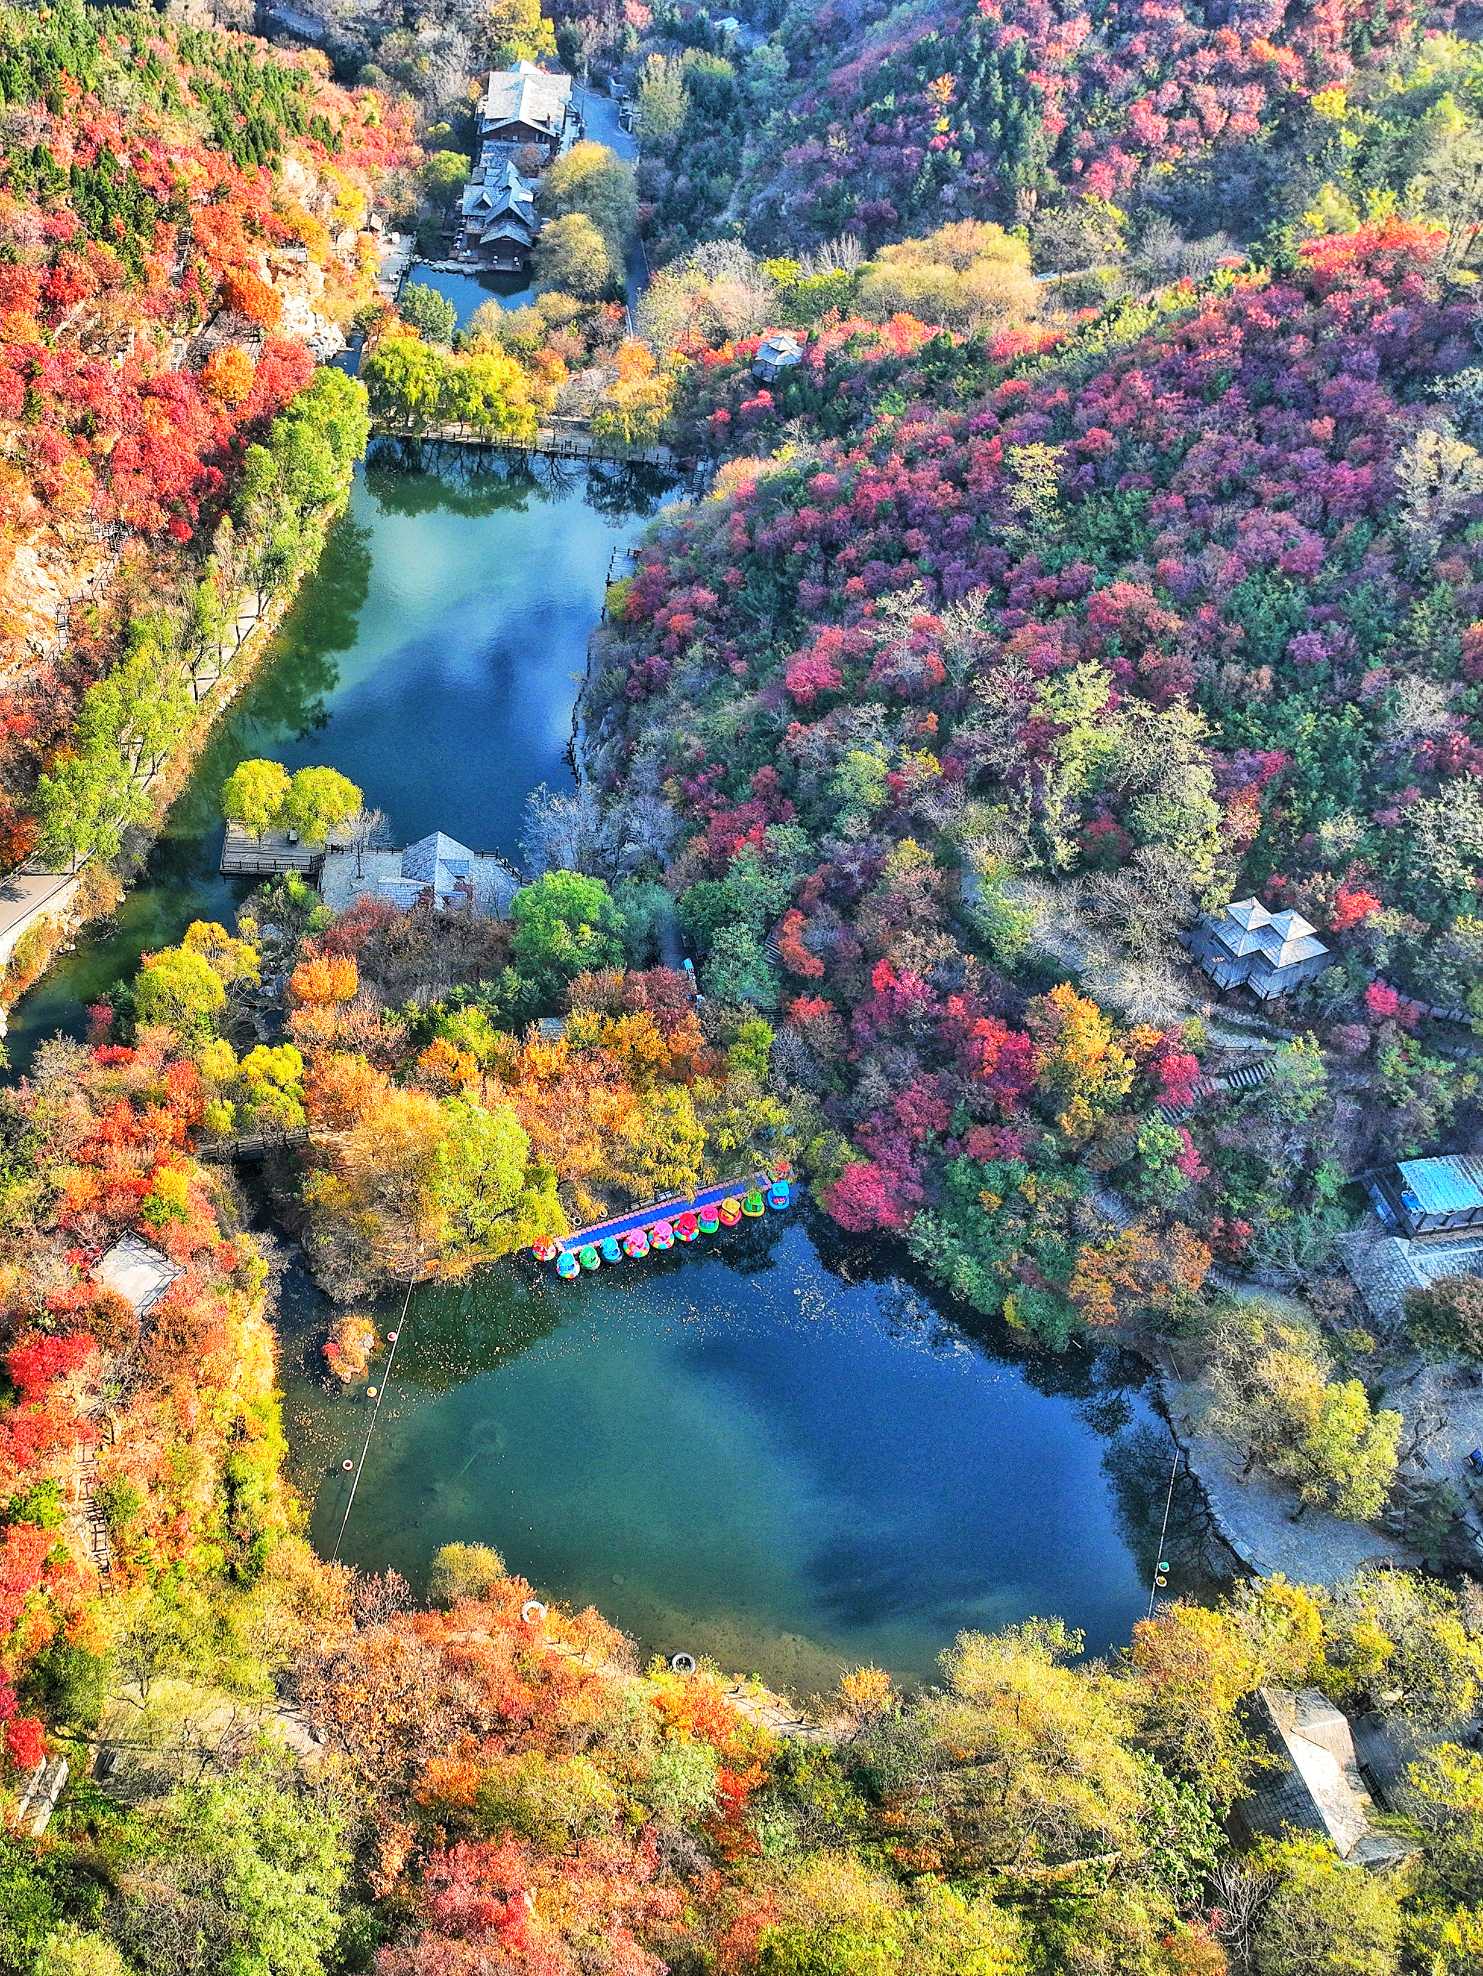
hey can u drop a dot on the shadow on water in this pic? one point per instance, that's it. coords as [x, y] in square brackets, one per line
[469, 292]
[423, 476]
[776, 1447]
[412, 477]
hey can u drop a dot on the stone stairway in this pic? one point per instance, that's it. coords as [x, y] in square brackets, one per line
[1246, 1077]
[94, 1527]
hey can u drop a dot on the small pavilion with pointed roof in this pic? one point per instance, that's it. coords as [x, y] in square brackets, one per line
[1245, 946]
[136, 1271]
[777, 352]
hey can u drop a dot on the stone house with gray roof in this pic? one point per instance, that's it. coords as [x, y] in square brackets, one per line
[1312, 1781]
[437, 869]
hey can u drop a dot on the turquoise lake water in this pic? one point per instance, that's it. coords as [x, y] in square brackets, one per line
[468, 292]
[746, 1449]
[434, 656]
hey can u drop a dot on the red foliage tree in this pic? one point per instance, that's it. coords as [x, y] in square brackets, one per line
[39, 1362]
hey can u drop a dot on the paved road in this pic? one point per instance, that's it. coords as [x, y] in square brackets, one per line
[600, 122]
[24, 892]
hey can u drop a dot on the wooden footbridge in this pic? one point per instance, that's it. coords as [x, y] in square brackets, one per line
[252, 1146]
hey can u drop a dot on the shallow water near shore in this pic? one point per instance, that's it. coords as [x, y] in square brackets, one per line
[434, 656]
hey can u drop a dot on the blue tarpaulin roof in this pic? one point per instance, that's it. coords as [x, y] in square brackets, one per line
[1449, 1185]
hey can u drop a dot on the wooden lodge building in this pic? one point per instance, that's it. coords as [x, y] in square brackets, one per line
[524, 106]
[498, 222]
[526, 118]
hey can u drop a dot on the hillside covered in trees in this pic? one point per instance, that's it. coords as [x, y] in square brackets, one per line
[309, 1775]
[1084, 123]
[182, 220]
[1181, 602]
[1101, 542]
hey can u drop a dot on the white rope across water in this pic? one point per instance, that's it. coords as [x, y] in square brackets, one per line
[1159, 1576]
[396, 1339]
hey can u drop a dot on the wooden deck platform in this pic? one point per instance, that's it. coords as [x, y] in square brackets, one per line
[268, 856]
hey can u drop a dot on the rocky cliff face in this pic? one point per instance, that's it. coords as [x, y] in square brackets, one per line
[60, 566]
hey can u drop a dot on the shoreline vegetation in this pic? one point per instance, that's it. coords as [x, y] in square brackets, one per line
[1095, 548]
[105, 879]
[277, 1678]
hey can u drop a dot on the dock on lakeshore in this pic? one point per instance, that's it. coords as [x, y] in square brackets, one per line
[276, 852]
[628, 1224]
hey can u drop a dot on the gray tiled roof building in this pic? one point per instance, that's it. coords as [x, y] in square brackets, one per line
[1245, 946]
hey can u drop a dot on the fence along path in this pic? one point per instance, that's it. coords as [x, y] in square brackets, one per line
[27, 891]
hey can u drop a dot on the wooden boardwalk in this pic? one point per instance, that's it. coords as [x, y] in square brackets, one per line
[268, 856]
[251, 1145]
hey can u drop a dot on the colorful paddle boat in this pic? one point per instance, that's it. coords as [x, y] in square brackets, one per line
[687, 1225]
[781, 1170]
[730, 1211]
[588, 1257]
[777, 1194]
[752, 1204]
[710, 1221]
[544, 1250]
[662, 1235]
[611, 1252]
[567, 1265]
[636, 1245]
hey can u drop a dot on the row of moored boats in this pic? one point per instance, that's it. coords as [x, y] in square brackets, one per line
[663, 1233]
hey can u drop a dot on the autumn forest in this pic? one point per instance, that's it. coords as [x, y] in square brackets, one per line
[1023, 814]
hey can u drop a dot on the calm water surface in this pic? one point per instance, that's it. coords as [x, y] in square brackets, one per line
[750, 1449]
[468, 292]
[737, 1450]
[434, 657]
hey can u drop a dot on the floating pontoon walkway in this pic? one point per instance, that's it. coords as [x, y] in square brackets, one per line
[629, 1224]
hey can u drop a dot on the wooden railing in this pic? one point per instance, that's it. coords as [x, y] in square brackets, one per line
[563, 439]
[246, 856]
[251, 1145]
